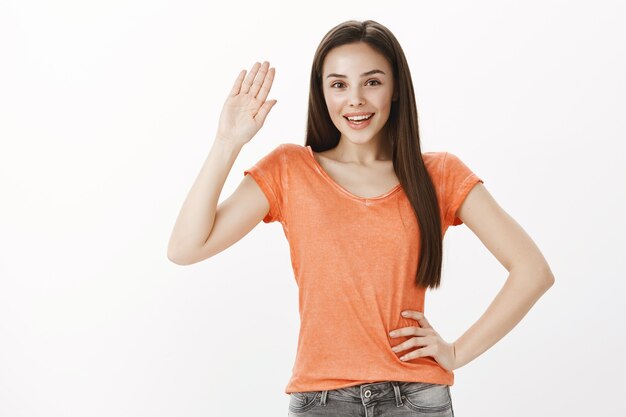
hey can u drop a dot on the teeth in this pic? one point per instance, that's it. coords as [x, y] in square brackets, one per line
[357, 118]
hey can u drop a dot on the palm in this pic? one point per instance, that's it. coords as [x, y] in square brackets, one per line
[238, 116]
[246, 108]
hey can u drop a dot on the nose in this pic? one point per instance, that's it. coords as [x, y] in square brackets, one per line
[355, 97]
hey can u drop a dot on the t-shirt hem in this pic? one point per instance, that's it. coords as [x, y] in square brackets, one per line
[323, 387]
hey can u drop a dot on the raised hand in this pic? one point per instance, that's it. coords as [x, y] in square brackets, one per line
[246, 108]
[431, 343]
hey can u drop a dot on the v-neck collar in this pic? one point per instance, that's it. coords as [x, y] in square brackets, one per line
[333, 183]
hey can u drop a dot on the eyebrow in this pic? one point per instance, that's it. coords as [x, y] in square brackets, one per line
[365, 74]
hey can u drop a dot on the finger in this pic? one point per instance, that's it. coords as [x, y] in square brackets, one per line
[250, 78]
[413, 342]
[264, 110]
[267, 85]
[259, 80]
[419, 316]
[409, 331]
[418, 353]
[237, 86]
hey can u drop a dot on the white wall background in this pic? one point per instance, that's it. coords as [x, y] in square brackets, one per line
[108, 109]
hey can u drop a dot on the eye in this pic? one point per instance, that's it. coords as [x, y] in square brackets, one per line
[374, 81]
[333, 84]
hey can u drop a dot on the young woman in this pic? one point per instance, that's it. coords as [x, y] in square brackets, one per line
[365, 212]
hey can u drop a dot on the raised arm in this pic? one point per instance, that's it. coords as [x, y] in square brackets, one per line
[203, 229]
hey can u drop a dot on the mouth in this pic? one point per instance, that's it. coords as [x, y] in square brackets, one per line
[358, 121]
[357, 117]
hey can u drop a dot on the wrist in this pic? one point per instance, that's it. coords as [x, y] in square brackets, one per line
[456, 352]
[226, 143]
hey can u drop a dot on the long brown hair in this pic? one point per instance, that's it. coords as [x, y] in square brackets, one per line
[401, 129]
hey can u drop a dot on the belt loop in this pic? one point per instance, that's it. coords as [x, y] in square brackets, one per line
[396, 389]
[324, 395]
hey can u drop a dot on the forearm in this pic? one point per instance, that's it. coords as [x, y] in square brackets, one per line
[522, 289]
[197, 215]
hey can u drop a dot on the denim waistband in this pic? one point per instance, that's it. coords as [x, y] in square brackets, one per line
[373, 391]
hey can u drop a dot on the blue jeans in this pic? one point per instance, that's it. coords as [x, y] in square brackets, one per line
[388, 398]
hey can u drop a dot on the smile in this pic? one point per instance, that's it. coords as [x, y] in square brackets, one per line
[359, 122]
[358, 118]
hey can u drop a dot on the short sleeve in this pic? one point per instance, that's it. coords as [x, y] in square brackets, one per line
[458, 180]
[268, 173]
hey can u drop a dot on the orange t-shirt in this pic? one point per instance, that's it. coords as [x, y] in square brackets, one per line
[354, 261]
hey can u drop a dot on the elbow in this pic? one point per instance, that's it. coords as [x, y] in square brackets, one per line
[175, 259]
[537, 275]
[546, 277]
[549, 279]
[178, 257]
[185, 256]
[177, 252]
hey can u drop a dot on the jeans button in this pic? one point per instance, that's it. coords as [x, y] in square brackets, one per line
[368, 394]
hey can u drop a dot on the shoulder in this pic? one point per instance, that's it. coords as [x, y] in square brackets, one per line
[434, 156]
[290, 152]
[282, 158]
[434, 162]
[287, 148]
[441, 161]
[280, 153]
[292, 148]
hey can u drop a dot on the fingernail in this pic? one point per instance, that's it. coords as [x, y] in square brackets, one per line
[392, 333]
[405, 313]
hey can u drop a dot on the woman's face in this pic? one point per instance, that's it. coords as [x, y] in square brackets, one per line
[357, 80]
